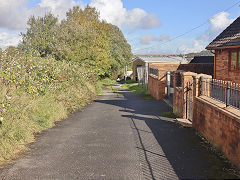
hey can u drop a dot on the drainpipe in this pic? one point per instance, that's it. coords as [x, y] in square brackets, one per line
[214, 65]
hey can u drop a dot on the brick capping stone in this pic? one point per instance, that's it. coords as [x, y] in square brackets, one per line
[153, 76]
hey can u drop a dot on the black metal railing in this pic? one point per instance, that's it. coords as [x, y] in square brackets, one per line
[224, 91]
[154, 71]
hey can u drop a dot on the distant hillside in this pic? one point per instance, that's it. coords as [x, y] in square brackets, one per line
[190, 56]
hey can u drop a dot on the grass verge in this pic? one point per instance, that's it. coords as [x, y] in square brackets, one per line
[30, 115]
[34, 93]
[169, 114]
[104, 82]
[136, 89]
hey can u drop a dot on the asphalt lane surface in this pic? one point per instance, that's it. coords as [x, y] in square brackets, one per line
[119, 136]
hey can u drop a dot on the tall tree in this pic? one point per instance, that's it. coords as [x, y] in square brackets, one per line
[82, 37]
[120, 49]
[40, 34]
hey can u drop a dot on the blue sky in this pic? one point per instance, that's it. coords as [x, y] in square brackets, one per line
[147, 25]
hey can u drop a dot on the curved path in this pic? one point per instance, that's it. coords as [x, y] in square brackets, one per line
[117, 137]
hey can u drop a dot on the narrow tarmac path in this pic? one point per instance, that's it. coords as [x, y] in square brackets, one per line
[117, 137]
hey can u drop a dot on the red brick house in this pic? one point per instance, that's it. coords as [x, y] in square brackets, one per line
[226, 48]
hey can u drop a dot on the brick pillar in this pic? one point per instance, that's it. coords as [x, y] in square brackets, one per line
[177, 96]
[207, 79]
[196, 85]
[187, 77]
[196, 91]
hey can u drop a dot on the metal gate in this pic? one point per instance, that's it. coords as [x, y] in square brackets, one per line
[189, 103]
[141, 75]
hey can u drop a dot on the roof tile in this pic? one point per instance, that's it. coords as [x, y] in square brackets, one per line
[229, 37]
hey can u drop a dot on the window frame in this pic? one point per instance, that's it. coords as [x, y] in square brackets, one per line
[237, 50]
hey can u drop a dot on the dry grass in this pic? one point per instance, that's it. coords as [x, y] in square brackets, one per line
[35, 92]
[31, 115]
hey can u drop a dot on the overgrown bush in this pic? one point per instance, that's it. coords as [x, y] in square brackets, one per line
[55, 70]
[35, 92]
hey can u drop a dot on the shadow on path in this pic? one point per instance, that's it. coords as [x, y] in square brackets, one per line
[166, 150]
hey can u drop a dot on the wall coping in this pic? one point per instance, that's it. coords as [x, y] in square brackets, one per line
[189, 73]
[204, 75]
[153, 76]
[179, 88]
[229, 111]
[202, 63]
[156, 63]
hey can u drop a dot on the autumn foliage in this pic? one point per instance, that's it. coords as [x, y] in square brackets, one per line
[55, 71]
[82, 37]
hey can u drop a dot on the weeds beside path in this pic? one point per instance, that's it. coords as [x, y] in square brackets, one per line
[28, 115]
[137, 89]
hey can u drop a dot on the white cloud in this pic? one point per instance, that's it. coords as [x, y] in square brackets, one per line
[9, 39]
[196, 47]
[147, 39]
[218, 23]
[16, 12]
[13, 13]
[58, 7]
[113, 12]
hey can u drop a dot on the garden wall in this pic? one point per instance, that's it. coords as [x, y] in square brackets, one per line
[178, 103]
[157, 84]
[219, 125]
[155, 88]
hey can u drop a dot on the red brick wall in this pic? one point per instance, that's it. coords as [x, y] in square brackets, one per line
[178, 101]
[196, 68]
[220, 126]
[163, 68]
[222, 71]
[156, 87]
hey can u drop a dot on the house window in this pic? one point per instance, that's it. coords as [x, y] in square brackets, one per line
[234, 60]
